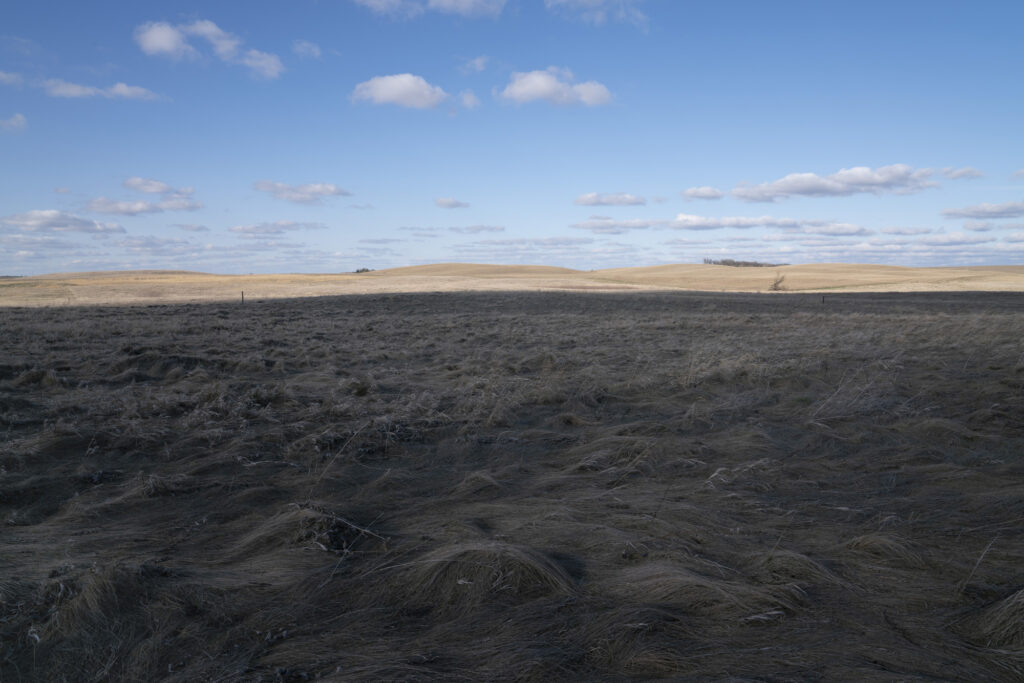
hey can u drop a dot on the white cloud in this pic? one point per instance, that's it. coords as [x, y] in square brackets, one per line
[51, 220]
[469, 99]
[613, 199]
[477, 229]
[555, 85]
[149, 186]
[8, 78]
[468, 8]
[134, 208]
[1014, 237]
[130, 92]
[475, 65]
[979, 226]
[954, 239]
[407, 8]
[683, 221]
[16, 122]
[600, 11]
[1018, 173]
[894, 179]
[262, 64]
[310, 193]
[276, 228]
[1007, 210]
[305, 48]
[906, 231]
[56, 87]
[450, 203]
[161, 38]
[962, 173]
[405, 90]
[191, 227]
[412, 8]
[703, 192]
[172, 199]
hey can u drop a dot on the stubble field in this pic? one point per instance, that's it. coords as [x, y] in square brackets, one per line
[515, 486]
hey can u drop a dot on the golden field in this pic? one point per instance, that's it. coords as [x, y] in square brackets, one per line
[142, 287]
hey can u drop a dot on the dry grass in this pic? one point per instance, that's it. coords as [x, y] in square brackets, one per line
[147, 287]
[527, 486]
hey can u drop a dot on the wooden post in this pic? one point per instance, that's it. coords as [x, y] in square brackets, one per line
[243, 297]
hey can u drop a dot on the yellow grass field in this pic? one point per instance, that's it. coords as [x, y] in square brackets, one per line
[142, 287]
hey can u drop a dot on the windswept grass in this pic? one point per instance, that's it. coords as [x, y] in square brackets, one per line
[526, 486]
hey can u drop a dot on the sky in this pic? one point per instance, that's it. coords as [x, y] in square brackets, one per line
[332, 135]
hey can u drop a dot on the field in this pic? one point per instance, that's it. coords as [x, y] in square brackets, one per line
[514, 485]
[147, 287]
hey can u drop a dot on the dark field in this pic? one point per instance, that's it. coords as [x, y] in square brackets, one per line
[521, 486]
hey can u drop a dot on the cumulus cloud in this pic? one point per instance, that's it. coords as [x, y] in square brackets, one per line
[469, 99]
[906, 231]
[475, 65]
[311, 193]
[477, 229]
[554, 84]
[450, 203]
[9, 78]
[276, 228]
[162, 39]
[703, 192]
[52, 220]
[962, 173]
[683, 221]
[16, 122]
[150, 186]
[305, 48]
[412, 8]
[134, 208]
[893, 179]
[56, 87]
[405, 90]
[955, 239]
[172, 199]
[601, 11]
[984, 211]
[612, 199]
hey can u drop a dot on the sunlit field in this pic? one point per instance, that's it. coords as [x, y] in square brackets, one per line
[150, 287]
[514, 485]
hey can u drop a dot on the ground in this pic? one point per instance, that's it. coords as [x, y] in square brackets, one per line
[515, 485]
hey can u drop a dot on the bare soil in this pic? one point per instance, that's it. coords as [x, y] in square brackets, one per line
[515, 486]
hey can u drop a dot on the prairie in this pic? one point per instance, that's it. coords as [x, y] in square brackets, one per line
[511, 485]
[145, 287]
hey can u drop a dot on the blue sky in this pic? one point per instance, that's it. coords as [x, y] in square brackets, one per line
[330, 135]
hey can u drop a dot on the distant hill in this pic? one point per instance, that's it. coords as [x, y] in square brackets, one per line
[156, 286]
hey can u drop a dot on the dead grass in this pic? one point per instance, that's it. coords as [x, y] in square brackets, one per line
[527, 486]
[162, 287]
